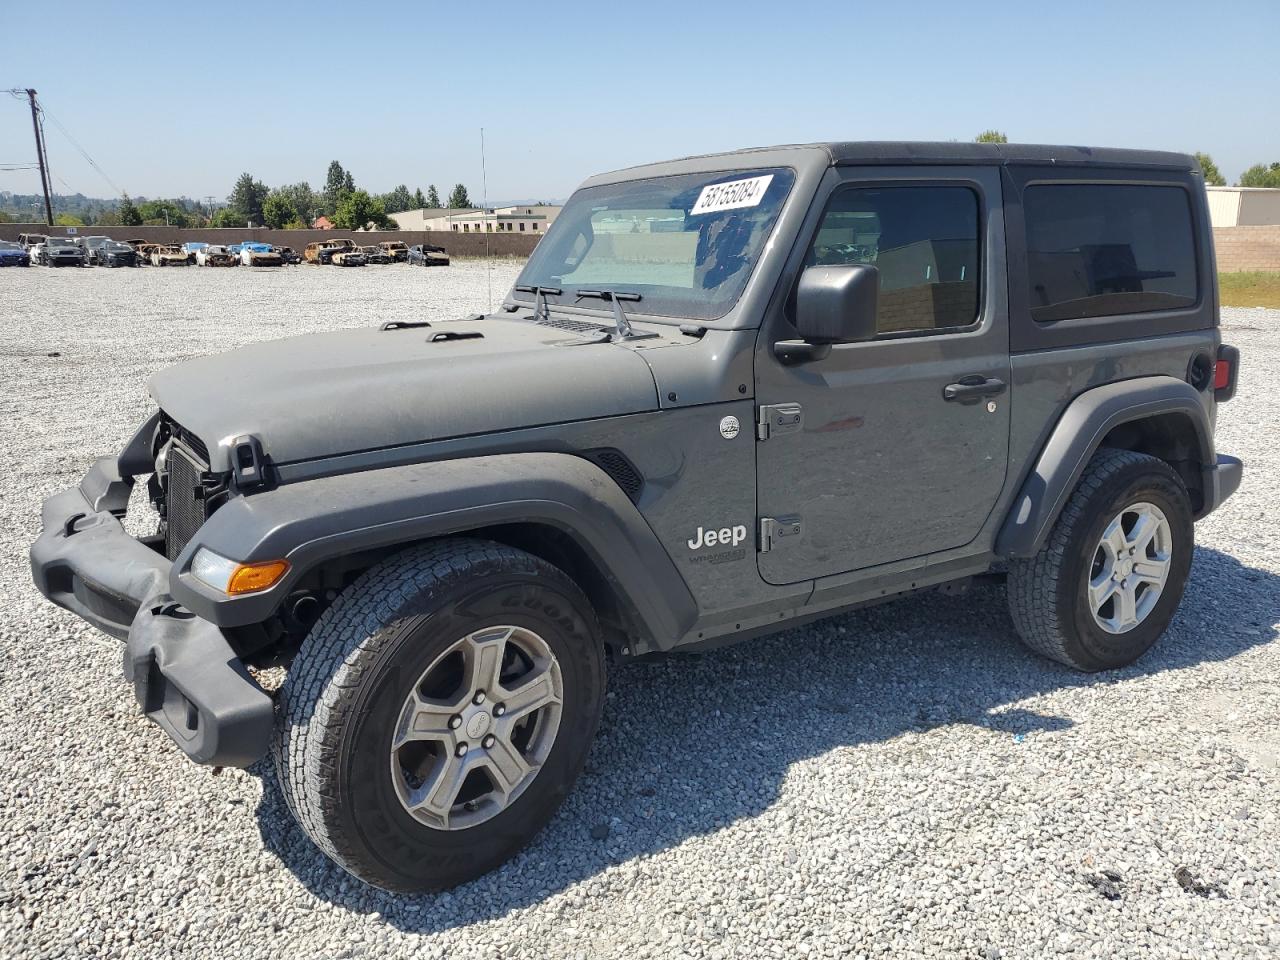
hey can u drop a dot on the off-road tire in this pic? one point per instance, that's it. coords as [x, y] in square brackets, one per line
[1048, 592]
[340, 700]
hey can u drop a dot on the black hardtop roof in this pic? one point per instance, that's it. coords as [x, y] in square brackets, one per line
[923, 151]
[858, 152]
[1001, 153]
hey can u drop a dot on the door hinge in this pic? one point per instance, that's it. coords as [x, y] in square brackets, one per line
[775, 419]
[776, 531]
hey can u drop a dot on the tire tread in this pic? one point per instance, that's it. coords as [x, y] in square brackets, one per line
[1033, 582]
[332, 663]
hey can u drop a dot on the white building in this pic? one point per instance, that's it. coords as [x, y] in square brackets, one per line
[428, 218]
[1243, 206]
[527, 219]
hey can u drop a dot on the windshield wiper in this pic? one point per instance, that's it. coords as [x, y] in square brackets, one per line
[622, 326]
[540, 309]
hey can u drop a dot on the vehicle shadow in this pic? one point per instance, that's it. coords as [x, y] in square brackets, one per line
[692, 743]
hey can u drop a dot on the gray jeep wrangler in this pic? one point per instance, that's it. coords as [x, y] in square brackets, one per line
[728, 394]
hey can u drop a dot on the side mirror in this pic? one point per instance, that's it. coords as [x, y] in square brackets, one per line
[838, 304]
[833, 305]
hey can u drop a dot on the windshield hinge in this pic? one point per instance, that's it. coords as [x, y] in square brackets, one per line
[778, 531]
[775, 419]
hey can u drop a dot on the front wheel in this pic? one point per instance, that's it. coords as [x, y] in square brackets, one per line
[439, 712]
[1107, 582]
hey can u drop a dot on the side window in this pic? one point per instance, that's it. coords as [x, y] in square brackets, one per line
[922, 240]
[1098, 250]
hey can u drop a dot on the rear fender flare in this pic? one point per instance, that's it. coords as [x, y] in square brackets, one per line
[1074, 440]
[313, 521]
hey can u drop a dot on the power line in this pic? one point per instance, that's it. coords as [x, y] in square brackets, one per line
[83, 152]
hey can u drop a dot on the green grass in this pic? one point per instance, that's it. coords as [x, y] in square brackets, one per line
[1250, 289]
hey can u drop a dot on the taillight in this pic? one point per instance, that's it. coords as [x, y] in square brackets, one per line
[1225, 371]
[1221, 374]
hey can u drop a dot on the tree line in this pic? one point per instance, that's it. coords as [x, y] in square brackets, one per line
[293, 206]
[347, 206]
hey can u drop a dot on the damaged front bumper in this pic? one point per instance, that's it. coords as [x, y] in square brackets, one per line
[185, 674]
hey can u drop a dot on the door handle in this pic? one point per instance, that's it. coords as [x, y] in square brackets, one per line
[973, 388]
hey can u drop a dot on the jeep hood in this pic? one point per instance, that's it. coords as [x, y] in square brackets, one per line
[326, 394]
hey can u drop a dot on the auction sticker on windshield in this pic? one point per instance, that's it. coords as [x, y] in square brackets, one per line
[732, 195]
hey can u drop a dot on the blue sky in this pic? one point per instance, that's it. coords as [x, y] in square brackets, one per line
[176, 98]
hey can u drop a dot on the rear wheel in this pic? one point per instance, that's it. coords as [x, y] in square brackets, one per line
[1108, 580]
[439, 712]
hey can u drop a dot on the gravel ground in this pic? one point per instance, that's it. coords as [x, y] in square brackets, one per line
[903, 781]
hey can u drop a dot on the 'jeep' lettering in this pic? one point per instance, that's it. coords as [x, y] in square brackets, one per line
[725, 536]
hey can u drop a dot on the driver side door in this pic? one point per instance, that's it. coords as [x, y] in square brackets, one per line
[877, 457]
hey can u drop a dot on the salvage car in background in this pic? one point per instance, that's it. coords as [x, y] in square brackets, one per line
[397, 250]
[375, 255]
[256, 254]
[214, 255]
[143, 249]
[113, 253]
[12, 255]
[58, 252]
[427, 255]
[323, 251]
[350, 257]
[91, 246]
[191, 248]
[29, 240]
[288, 255]
[168, 255]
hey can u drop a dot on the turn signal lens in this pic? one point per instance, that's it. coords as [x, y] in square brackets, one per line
[236, 578]
[252, 577]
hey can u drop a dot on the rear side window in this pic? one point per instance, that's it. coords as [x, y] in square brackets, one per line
[922, 240]
[1100, 250]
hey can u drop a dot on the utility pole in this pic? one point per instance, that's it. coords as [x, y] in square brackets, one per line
[40, 157]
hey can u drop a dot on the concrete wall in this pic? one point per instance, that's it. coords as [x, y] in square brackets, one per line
[1248, 248]
[458, 244]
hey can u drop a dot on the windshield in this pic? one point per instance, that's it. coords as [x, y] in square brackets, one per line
[115, 247]
[686, 244]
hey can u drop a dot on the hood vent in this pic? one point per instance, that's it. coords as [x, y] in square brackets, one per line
[573, 326]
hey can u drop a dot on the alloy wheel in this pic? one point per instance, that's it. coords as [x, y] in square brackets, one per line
[1130, 567]
[476, 727]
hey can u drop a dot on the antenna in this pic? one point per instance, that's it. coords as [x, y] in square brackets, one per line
[484, 190]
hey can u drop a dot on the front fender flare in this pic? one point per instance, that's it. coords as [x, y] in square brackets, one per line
[313, 521]
[1074, 440]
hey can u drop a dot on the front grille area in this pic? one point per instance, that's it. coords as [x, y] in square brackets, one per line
[187, 438]
[183, 501]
